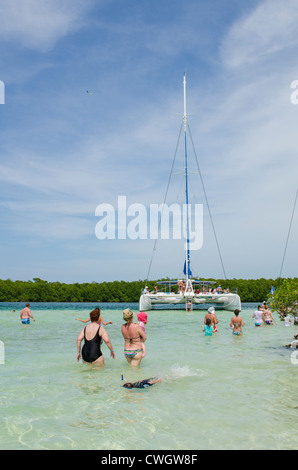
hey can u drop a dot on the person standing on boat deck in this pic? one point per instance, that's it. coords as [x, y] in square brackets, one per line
[93, 334]
[237, 323]
[26, 315]
[133, 336]
[212, 316]
[258, 316]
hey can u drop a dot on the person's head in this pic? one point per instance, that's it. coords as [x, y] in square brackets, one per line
[128, 385]
[208, 321]
[236, 312]
[94, 315]
[27, 304]
[127, 315]
[142, 316]
[211, 310]
[259, 307]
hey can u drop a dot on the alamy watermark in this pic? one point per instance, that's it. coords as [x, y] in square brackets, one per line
[159, 221]
[294, 95]
[2, 92]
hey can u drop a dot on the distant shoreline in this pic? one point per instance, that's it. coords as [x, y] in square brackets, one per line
[38, 290]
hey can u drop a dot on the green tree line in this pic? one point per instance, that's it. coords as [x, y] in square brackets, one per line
[38, 290]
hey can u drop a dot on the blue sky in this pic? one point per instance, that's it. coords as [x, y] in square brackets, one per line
[63, 151]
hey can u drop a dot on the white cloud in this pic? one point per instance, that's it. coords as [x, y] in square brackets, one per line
[59, 162]
[39, 24]
[269, 28]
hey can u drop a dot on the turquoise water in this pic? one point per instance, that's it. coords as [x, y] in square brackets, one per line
[220, 392]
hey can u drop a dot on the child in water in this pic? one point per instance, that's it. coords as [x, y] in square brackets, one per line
[142, 317]
[208, 328]
[142, 383]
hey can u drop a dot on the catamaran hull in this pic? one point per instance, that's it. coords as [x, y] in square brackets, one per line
[222, 301]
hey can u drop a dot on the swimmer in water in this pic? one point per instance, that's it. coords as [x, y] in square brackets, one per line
[100, 319]
[142, 383]
[267, 316]
[134, 336]
[93, 335]
[26, 315]
[293, 344]
[211, 314]
[208, 328]
[237, 323]
[258, 316]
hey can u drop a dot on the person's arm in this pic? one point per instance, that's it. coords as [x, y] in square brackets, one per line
[79, 341]
[142, 333]
[105, 323]
[84, 321]
[106, 339]
[154, 380]
[30, 315]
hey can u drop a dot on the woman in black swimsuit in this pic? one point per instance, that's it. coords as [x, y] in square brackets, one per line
[93, 334]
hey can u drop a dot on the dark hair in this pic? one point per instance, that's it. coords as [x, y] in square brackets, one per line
[236, 312]
[208, 321]
[128, 385]
[95, 314]
[27, 304]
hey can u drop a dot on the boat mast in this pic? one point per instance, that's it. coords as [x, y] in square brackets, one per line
[187, 251]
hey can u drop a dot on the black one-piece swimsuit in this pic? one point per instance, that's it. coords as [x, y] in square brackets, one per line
[91, 349]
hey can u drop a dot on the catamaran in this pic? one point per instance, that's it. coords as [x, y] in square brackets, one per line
[190, 292]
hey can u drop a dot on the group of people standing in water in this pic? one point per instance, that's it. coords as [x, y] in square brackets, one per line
[210, 323]
[133, 333]
[262, 316]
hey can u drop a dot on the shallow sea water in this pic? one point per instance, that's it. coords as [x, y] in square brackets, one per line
[219, 392]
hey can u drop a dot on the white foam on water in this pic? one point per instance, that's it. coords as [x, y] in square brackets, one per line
[180, 372]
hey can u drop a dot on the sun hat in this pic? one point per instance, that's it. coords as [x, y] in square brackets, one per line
[211, 310]
[127, 314]
[142, 316]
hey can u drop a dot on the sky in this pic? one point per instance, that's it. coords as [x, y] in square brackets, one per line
[64, 152]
